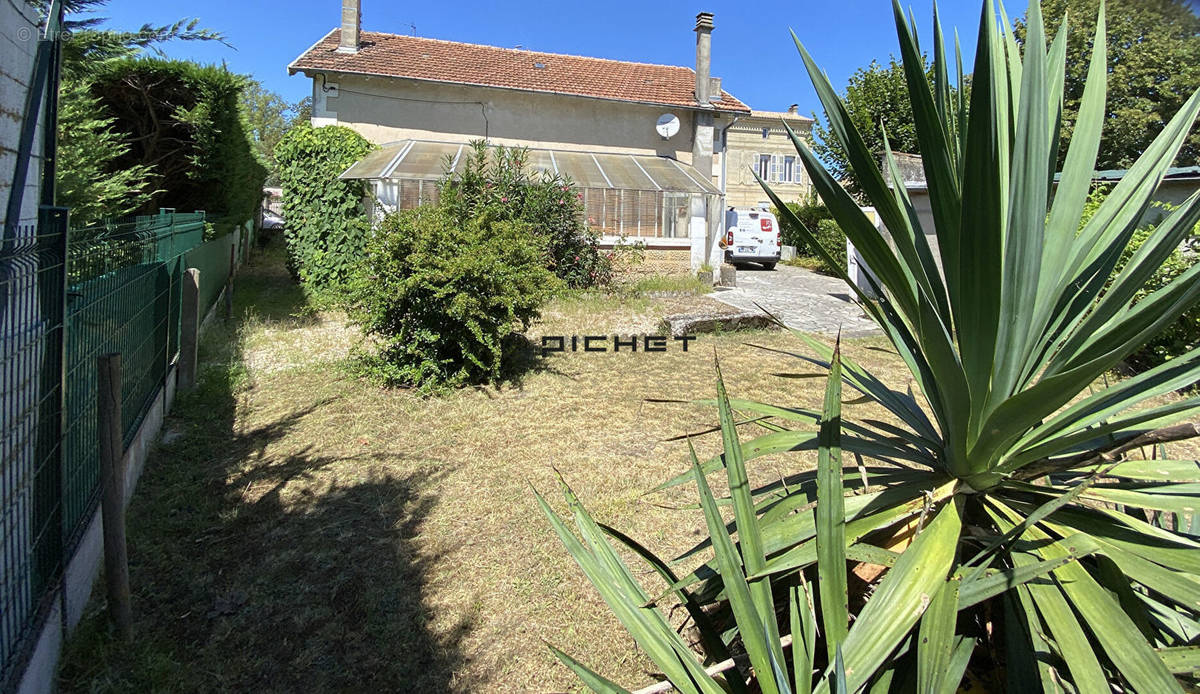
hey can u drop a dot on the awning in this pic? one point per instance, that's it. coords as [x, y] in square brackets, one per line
[429, 161]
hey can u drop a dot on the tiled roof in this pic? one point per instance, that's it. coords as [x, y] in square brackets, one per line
[410, 57]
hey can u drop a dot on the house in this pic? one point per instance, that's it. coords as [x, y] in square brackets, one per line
[638, 139]
[759, 143]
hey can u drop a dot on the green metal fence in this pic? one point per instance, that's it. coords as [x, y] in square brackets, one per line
[67, 298]
[213, 260]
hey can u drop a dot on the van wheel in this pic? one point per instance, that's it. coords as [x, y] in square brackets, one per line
[768, 266]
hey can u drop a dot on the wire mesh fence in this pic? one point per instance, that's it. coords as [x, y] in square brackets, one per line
[68, 298]
[32, 278]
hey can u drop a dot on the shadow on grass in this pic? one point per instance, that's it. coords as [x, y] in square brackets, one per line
[244, 580]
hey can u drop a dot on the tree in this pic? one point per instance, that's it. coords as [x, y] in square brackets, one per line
[268, 117]
[93, 177]
[302, 111]
[87, 147]
[877, 99]
[1154, 66]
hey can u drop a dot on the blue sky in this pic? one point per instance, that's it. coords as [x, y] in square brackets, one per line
[752, 51]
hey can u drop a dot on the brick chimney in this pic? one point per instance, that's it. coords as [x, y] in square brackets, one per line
[704, 27]
[351, 26]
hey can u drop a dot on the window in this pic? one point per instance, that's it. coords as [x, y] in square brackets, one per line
[764, 166]
[789, 169]
[776, 168]
[766, 133]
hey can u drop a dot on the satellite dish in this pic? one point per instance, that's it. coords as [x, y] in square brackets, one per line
[667, 125]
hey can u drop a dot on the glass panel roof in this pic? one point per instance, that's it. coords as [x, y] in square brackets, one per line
[581, 168]
[427, 161]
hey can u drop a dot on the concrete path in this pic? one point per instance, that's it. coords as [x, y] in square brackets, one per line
[802, 298]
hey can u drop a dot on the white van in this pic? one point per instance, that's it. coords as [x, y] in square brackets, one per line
[751, 236]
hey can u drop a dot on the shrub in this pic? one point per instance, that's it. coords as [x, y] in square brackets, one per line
[1178, 337]
[327, 226]
[183, 121]
[497, 181]
[1008, 526]
[809, 212]
[832, 240]
[442, 298]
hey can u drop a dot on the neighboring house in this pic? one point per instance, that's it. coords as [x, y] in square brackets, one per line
[759, 143]
[638, 139]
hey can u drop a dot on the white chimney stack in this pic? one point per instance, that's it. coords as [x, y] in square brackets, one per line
[351, 26]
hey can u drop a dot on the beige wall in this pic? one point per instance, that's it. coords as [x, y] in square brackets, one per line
[744, 144]
[385, 110]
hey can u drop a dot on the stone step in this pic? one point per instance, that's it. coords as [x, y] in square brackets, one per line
[682, 324]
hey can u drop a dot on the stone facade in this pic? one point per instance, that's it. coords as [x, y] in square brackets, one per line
[759, 142]
[663, 261]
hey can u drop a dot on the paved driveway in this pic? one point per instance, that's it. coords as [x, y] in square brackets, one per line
[802, 298]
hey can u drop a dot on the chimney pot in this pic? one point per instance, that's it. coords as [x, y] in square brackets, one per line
[351, 26]
[794, 108]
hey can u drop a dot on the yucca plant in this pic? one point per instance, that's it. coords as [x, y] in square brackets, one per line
[1021, 537]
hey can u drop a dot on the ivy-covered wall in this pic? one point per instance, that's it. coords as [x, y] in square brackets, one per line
[326, 224]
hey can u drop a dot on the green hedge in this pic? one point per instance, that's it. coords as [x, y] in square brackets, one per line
[327, 226]
[184, 122]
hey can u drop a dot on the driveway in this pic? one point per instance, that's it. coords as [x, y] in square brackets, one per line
[803, 299]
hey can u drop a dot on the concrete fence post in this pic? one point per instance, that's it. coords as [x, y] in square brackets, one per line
[229, 282]
[112, 489]
[189, 329]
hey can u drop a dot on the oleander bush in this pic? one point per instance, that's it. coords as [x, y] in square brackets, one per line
[327, 225]
[443, 301]
[1012, 533]
[498, 181]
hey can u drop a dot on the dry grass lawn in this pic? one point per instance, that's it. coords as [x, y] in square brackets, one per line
[306, 531]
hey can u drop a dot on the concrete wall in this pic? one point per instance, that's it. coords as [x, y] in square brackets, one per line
[21, 331]
[386, 109]
[1171, 192]
[18, 44]
[744, 144]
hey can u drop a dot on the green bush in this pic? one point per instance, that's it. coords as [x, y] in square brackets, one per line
[1177, 338]
[183, 121]
[810, 212]
[496, 181]
[1180, 336]
[327, 226]
[443, 299]
[833, 240]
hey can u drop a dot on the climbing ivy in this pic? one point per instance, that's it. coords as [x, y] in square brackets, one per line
[326, 224]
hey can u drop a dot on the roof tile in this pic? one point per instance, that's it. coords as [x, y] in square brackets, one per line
[410, 57]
